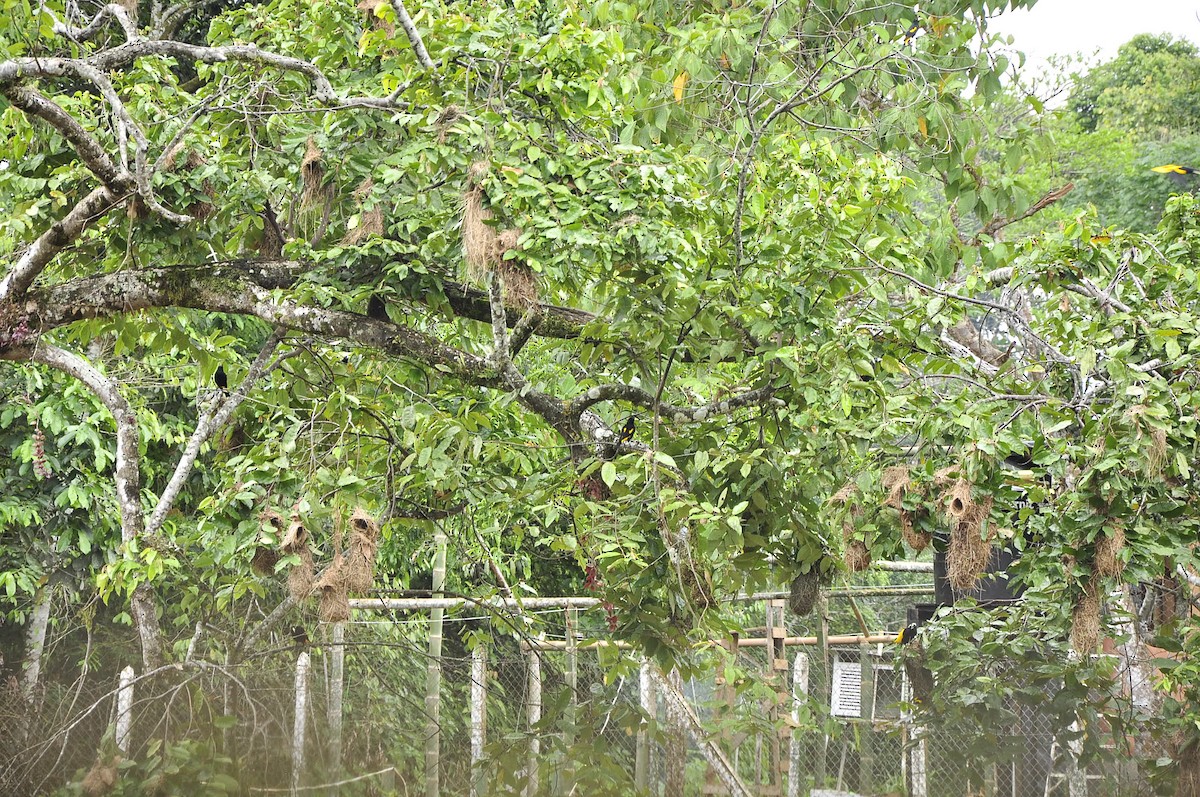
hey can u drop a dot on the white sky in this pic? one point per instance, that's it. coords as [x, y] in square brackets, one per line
[1066, 27]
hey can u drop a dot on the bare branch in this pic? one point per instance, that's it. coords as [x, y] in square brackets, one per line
[670, 412]
[414, 35]
[215, 417]
[523, 330]
[998, 223]
[110, 11]
[61, 234]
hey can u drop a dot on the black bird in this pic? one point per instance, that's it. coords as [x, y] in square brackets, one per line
[907, 634]
[911, 32]
[299, 638]
[627, 430]
[220, 379]
[377, 308]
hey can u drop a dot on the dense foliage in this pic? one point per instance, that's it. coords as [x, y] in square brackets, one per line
[442, 260]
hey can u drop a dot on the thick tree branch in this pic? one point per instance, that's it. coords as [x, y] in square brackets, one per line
[670, 412]
[90, 151]
[23, 68]
[113, 294]
[61, 234]
[414, 35]
[243, 289]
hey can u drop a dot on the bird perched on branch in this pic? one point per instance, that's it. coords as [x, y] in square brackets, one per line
[628, 429]
[220, 379]
[907, 634]
[911, 32]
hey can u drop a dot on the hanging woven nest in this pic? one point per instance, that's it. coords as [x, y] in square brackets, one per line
[897, 482]
[300, 577]
[957, 500]
[370, 220]
[804, 591]
[857, 556]
[485, 246]
[360, 554]
[917, 539]
[1085, 618]
[265, 558]
[970, 548]
[334, 606]
[842, 497]
[312, 175]
[1108, 547]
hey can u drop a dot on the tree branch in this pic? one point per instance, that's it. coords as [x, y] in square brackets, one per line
[110, 11]
[671, 412]
[414, 35]
[116, 293]
[61, 234]
[93, 155]
[215, 417]
[998, 223]
[126, 472]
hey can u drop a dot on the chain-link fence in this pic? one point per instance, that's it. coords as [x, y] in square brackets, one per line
[524, 704]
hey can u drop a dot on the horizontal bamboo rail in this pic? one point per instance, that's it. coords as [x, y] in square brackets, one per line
[752, 642]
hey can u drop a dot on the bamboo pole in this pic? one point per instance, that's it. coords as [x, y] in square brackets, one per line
[825, 691]
[337, 666]
[799, 693]
[35, 646]
[848, 592]
[124, 710]
[777, 667]
[478, 717]
[533, 703]
[442, 602]
[752, 642]
[302, 662]
[433, 674]
[676, 758]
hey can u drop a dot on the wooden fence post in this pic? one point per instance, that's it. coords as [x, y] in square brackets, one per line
[478, 717]
[533, 702]
[337, 668]
[567, 779]
[866, 756]
[433, 675]
[302, 662]
[676, 741]
[649, 704]
[124, 710]
[799, 693]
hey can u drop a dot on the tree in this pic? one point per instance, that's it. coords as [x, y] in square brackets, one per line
[443, 256]
[1149, 89]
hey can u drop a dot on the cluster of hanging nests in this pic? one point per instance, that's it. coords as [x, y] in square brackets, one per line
[485, 246]
[352, 568]
[970, 537]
